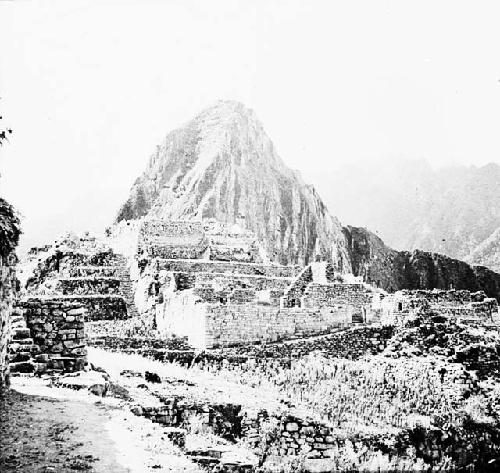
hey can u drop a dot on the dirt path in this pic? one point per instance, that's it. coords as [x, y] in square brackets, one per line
[39, 434]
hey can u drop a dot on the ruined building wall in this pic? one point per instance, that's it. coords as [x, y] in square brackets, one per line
[172, 239]
[459, 304]
[234, 324]
[322, 295]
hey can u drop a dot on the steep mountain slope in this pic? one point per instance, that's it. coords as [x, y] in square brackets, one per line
[412, 206]
[222, 165]
[488, 252]
[393, 270]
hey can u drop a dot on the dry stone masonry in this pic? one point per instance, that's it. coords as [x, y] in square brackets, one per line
[8, 290]
[88, 273]
[58, 332]
[225, 293]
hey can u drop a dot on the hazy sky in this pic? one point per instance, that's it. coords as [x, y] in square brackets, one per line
[90, 87]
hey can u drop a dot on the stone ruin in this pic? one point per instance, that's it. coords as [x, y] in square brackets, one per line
[75, 281]
[208, 283]
[462, 305]
[52, 339]
[214, 284]
[86, 272]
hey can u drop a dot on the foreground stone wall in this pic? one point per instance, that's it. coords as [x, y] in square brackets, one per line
[57, 329]
[8, 291]
[322, 444]
[9, 237]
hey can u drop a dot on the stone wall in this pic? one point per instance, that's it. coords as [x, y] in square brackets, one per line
[460, 304]
[9, 237]
[223, 310]
[98, 307]
[8, 290]
[92, 271]
[57, 330]
[69, 260]
[227, 267]
[88, 285]
[232, 244]
[322, 445]
[168, 239]
[451, 297]
[243, 281]
[62, 263]
[351, 343]
[234, 324]
[223, 419]
[333, 294]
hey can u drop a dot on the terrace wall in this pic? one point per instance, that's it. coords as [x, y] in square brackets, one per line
[227, 267]
[168, 239]
[89, 285]
[98, 307]
[352, 343]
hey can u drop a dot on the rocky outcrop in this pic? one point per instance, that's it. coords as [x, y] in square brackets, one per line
[394, 270]
[222, 165]
[9, 236]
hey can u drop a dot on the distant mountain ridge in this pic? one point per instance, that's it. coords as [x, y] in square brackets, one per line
[389, 269]
[412, 206]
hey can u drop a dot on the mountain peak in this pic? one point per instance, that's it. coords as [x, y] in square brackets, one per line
[222, 165]
[225, 112]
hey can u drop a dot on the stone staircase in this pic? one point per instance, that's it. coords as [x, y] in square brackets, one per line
[21, 347]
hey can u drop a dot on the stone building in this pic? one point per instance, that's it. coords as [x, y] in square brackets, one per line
[465, 306]
[214, 284]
